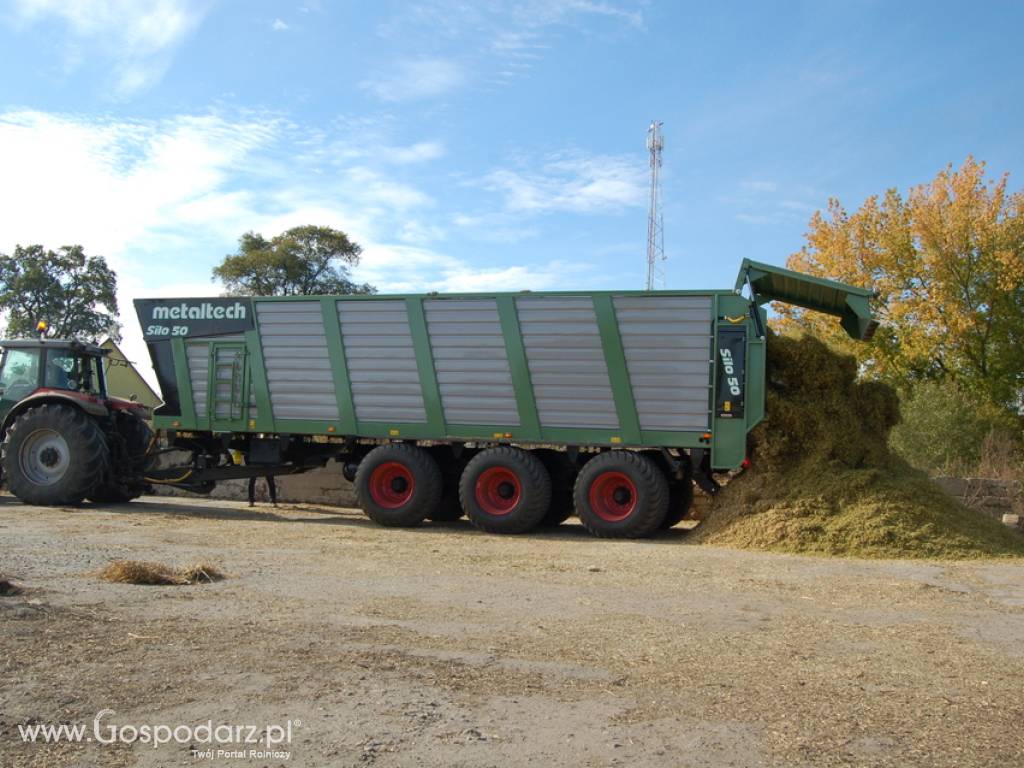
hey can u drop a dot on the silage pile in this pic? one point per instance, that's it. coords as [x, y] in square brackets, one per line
[824, 480]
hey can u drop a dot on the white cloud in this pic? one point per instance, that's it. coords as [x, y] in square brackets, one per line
[633, 17]
[367, 148]
[508, 36]
[279, 25]
[164, 200]
[414, 79]
[111, 184]
[407, 269]
[419, 232]
[578, 184]
[138, 37]
[494, 227]
[414, 153]
[762, 202]
[759, 185]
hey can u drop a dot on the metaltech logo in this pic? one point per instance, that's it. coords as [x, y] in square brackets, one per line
[205, 311]
[176, 318]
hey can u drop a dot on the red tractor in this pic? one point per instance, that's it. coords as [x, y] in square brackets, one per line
[64, 438]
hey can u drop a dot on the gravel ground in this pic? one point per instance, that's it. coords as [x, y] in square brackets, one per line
[443, 646]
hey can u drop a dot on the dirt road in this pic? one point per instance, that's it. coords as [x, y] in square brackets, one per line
[443, 646]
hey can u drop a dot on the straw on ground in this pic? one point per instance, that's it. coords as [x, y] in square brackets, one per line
[144, 572]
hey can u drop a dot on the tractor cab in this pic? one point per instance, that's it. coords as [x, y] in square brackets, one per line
[29, 366]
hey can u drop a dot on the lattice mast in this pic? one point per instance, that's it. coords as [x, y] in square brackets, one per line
[655, 228]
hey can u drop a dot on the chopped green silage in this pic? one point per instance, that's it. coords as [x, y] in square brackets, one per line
[823, 479]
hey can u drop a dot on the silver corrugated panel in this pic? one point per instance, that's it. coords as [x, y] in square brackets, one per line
[381, 361]
[667, 341]
[566, 361]
[471, 362]
[199, 374]
[296, 360]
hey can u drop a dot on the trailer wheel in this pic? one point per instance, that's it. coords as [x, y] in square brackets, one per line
[621, 494]
[680, 499]
[563, 475]
[54, 455]
[449, 509]
[505, 490]
[398, 485]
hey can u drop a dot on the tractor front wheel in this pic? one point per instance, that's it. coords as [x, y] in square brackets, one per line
[54, 455]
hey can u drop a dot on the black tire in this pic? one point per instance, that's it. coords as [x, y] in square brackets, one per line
[398, 485]
[680, 499]
[54, 455]
[621, 495]
[563, 476]
[449, 509]
[126, 479]
[680, 496]
[505, 490]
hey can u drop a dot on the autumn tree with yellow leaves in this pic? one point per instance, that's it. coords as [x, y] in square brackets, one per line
[947, 262]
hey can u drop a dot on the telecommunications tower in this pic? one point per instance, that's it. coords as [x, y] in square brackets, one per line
[655, 230]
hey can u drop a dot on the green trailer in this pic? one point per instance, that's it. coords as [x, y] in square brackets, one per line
[515, 409]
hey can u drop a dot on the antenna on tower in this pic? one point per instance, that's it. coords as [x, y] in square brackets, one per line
[655, 228]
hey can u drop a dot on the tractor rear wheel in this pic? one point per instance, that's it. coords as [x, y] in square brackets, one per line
[125, 480]
[398, 485]
[621, 494]
[54, 455]
[505, 490]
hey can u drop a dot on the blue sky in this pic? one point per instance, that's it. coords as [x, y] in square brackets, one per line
[480, 145]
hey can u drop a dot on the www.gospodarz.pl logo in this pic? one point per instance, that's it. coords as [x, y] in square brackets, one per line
[216, 740]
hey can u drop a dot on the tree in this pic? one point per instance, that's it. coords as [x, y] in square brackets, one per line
[302, 261]
[75, 294]
[948, 265]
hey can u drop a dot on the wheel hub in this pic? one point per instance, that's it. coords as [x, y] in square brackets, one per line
[391, 485]
[49, 457]
[498, 491]
[613, 496]
[44, 457]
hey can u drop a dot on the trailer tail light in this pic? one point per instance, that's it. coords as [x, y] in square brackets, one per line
[745, 464]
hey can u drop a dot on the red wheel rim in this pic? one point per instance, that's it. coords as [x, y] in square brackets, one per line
[498, 491]
[612, 496]
[391, 485]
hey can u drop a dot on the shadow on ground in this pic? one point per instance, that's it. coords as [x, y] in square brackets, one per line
[203, 509]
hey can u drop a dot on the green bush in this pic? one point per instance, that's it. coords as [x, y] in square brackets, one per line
[947, 430]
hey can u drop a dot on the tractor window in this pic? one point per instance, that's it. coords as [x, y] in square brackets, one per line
[67, 370]
[100, 385]
[20, 375]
